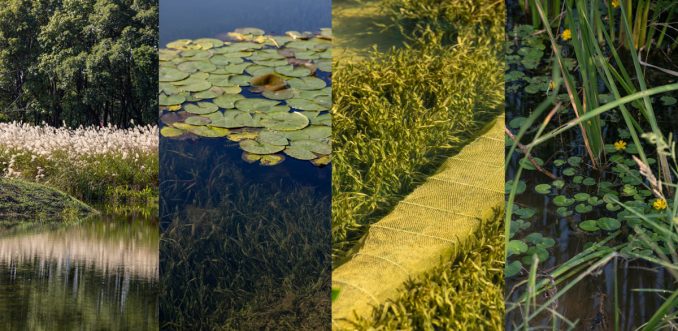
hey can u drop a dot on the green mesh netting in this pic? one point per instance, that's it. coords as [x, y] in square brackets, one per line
[429, 224]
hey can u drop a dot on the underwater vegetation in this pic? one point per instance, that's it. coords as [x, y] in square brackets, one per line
[591, 154]
[90, 163]
[270, 94]
[20, 199]
[257, 260]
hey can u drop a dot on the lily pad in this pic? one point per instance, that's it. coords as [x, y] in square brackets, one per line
[285, 121]
[255, 147]
[201, 108]
[307, 83]
[168, 74]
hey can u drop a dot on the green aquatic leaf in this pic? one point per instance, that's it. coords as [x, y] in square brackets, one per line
[197, 120]
[521, 187]
[306, 105]
[589, 226]
[257, 104]
[168, 74]
[292, 71]
[271, 160]
[284, 94]
[272, 138]
[285, 121]
[608, 224]
[227, 101]
[512, 269]
[300, 153]
[201, 108]
[307, 83]
[255, 147]
[563, 201]
[516, 247]
[583, 208]
[164, 100]
[171, 132]
[543, 188]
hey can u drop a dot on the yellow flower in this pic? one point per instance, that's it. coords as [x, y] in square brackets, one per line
[552, 85]
[620, 145]
[615, 4]
[660, 204]
[567, 34]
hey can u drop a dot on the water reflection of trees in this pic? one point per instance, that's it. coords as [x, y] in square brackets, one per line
[258, 257]
[95, 276]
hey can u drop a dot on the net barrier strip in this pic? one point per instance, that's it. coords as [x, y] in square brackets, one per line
[428, 225]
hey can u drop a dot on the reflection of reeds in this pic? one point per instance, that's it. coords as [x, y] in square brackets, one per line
[59, 249]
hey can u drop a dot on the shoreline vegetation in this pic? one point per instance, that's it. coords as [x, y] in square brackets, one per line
[398, 115]
[103, 165]
[77, 77]
[20, 199]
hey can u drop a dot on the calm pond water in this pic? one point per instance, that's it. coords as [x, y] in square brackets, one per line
[98, 275]
[244, 246]
[590, 301]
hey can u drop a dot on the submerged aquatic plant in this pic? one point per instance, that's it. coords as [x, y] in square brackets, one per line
[203, 86]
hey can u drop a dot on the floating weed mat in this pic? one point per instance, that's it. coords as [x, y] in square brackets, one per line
[462, 293]
[269, 94]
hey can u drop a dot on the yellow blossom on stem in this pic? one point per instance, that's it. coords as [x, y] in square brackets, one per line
[615, 4]
[567, 34]
[620, 145]
[660, 204]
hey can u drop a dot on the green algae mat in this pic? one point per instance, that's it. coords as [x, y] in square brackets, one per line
[270, 94]
[429, 224]
[22, 200]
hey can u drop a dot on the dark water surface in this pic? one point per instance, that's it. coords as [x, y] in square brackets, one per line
[99, 275]
[244, 246]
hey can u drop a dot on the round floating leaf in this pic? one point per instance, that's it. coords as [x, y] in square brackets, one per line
[543, 188]
[322, 161]
[255, 147]
[271, 160]
[167, 74]
[227, 101]
[197, 120]
[272, 138]
[583, 208]
[250, 158]
[574, 161]
[313, 146]
[588, 181]
[201, 108]
[569, 172]
[194, 66]
[242, 135]
[195, 86]
[516, 247]
[563, 201]
[209, 132]
[558, 183]
[608, 224]
[307, 83]
[164, 100]
[303, 104]
[589, 226]
[280, 94]
[285, 121]
[292, 71]
[212, 93]
[251, 105]
[300, 153]
[171, 132]
[512, 269]
[582, 196]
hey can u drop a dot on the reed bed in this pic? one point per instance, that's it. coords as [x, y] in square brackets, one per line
[91, 163]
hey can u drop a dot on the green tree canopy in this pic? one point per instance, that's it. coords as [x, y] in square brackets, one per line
[79, 62]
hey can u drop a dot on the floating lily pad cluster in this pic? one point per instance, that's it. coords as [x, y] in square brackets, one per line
[576, 196]
[270, 94]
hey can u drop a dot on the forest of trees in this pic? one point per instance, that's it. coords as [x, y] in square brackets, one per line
[79, 62]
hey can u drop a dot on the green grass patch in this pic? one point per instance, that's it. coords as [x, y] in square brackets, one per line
[462, 293]
[20, 199]
[398, 115]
